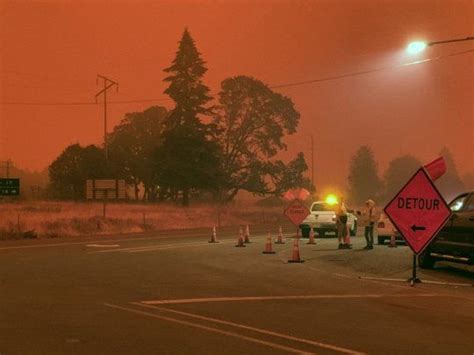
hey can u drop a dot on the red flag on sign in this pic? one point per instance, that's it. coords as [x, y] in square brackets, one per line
[289, 195]
[300, 194]
[303, 194]
[436, 168]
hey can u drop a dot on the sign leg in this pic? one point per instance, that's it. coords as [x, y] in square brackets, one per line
[414, 279]
[105, 204]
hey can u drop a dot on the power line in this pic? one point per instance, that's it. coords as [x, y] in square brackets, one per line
[84, 103]
[369, 71]
[278, 86]
[47, 103]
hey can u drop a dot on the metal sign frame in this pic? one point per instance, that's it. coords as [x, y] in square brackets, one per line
[97, 189]
[9, 186]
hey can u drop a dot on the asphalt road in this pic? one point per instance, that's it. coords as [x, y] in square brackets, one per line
[174, 293]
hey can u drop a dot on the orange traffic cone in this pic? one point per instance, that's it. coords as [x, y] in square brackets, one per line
[268, 245]
[213, 236]
[247, 235]
[295, 257]
[240, 241]
[311, 237]
[393, 243]
[280, 237]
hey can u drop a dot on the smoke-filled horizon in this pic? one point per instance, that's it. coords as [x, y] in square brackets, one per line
[52, 53]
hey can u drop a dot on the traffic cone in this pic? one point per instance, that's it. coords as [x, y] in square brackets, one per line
[295, 257]
[393, 243]
[268, 245]
[247, 235]
[213, 236]
[311, 237]
[240, 241]
[280, 237]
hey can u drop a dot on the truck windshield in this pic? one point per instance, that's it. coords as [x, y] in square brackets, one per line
[322, 207]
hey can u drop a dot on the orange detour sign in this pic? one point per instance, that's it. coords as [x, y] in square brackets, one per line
[296, 212]
[418, 211]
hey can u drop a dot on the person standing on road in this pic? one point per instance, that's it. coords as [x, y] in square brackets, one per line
[341, 220]
[369, 221]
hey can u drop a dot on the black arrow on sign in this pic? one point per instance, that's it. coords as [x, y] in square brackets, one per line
[415, 228]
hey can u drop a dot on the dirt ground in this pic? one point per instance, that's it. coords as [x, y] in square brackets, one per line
[50, 219]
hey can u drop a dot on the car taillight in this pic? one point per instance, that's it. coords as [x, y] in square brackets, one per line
[381, 225]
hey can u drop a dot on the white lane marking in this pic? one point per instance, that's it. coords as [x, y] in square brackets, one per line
[157, 247]
[176, 246]
[130, 239]
[356, 277]
[258, 330]
[103, 245]
[290, 297]
[142, 247]
[210, 329]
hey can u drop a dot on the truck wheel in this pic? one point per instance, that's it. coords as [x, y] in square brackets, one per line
[380, 240]
[425, 260]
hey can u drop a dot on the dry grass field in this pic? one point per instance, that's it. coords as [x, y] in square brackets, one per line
[51, 219]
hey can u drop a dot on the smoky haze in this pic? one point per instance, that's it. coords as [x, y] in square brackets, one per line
[52, 52]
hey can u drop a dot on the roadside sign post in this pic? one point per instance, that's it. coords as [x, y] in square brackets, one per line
[418, 212]
[296, 212]
[105, 189]
[105, 203]
[413, 278]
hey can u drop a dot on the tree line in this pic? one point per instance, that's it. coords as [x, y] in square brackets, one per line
[197, 149]
[365, 182]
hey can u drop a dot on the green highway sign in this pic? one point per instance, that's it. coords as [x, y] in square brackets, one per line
[9, 187]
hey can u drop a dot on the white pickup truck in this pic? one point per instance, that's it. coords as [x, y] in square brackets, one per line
[322, 219]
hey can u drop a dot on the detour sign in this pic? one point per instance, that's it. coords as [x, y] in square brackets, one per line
[296, 212]
[418, 211]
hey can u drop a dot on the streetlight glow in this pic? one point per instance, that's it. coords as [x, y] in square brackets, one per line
[416, 47]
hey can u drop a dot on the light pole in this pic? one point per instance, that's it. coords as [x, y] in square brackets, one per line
[419, 46]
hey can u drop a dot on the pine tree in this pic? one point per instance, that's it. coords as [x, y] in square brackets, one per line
[364, 181]
[397, 174]
[186, 86]
[187, 160]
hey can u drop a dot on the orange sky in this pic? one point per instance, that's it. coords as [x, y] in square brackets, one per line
[51, 52]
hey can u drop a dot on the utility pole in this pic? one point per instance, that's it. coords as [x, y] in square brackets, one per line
[108, 83]
[312, 159]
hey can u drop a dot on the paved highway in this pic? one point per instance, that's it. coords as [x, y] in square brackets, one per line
[174, 293]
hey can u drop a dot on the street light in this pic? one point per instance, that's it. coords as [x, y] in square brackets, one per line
[416, 47]
[419, 46]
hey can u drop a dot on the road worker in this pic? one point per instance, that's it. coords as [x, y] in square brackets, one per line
[341, 220]
[369, 219]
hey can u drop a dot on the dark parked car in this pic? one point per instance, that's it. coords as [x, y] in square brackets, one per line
[455, 241]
